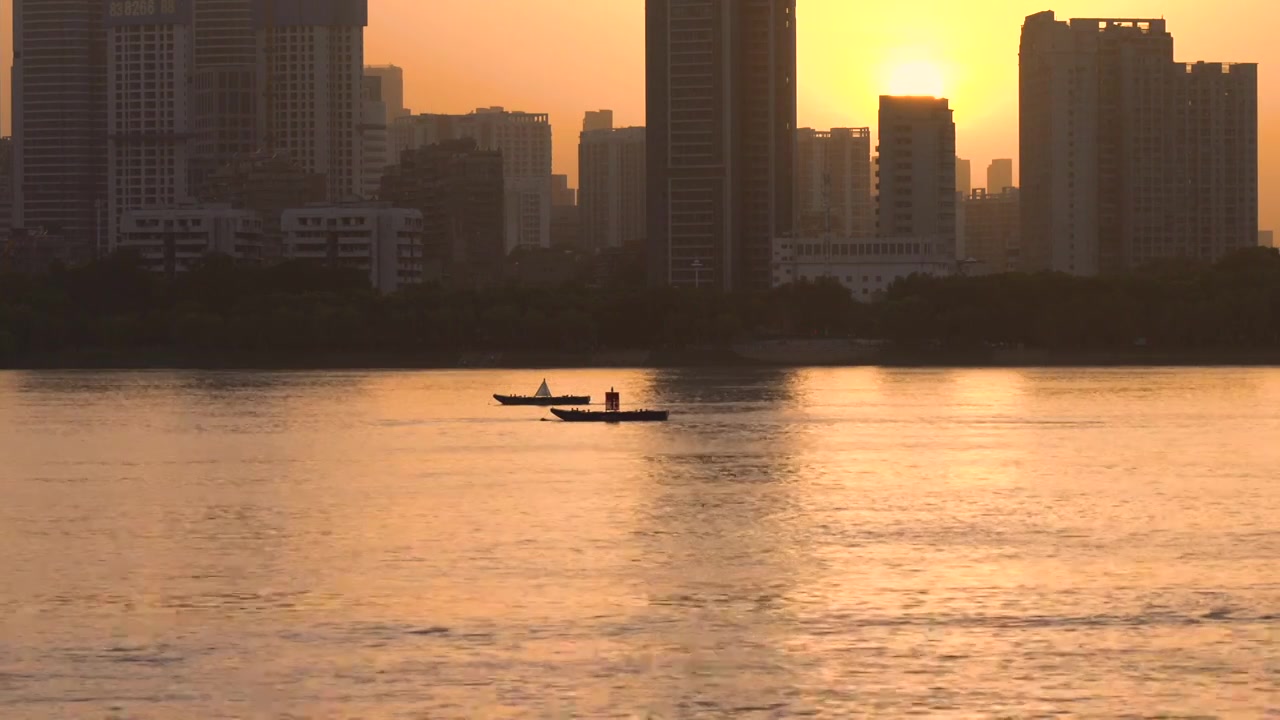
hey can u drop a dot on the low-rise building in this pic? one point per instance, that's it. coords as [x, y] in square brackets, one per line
[866, 266]
[171, 240]
[383, 241]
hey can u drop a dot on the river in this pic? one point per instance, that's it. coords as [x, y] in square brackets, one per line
[794, 543]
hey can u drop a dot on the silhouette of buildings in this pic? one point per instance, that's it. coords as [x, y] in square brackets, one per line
[993, 231]
[267, 185]
[1266, 238]
[459, 191]
[999, 176]
[597, 120]
[60, 123]
[311, 76]
[565, 222]
[149, 64]
[391, 81]
[865, 266]
[917, 170]
[374, 238]
[1127, 156]
[611, 179]
[524, 139]
[6, 188]
[171, 240]
[833, 183]
[964, 177]
[721, 120]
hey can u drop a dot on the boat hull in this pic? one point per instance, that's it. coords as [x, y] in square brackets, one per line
[611, 417]
[543, 401]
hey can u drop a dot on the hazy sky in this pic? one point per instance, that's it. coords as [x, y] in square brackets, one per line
[564, 57]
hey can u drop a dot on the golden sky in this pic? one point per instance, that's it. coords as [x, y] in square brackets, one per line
[564, 57]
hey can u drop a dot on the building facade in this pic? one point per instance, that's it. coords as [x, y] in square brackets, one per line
[1128, 157]
[964, 177]
[375, 238]
[917, 169]
[611, 187]
[375, 152]
[459, 191]
[172, 240]
[721, 121]
[999, 176]
[866, 266]
[310, 80]
[833, 183]
[992, 232]
[391, 83]
[149, 68]
[60, 122]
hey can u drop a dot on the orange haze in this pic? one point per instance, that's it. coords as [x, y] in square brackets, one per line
[564, 57]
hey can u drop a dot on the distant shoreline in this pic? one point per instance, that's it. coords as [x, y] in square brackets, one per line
[776, 354]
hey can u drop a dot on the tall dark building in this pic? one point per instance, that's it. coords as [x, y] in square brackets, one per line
[460, 191]
[224, 33]
[721, 120]
[1127, 156]
[224, 95]
[60, 120]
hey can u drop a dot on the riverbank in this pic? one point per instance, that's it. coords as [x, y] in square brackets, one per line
[764, 354]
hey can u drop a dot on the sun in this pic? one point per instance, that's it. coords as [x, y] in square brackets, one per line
[916, 77]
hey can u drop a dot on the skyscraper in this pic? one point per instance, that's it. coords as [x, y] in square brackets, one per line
[597, 120]
[1128, 156]
[60, 120]
[964, 176]
[374, 151]
[392, 83]
[999, 176]
[721, 109]
[224, 98]
[611, 185]
[149, 61]
[310, 82]
[833, 183]
[917, 167]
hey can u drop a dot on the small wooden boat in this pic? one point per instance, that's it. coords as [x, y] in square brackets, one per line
[606, 416]
[543, 398]
[613, 413]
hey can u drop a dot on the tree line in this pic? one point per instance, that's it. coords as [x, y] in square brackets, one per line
[299, 312]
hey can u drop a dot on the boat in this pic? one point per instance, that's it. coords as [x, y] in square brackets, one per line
[612, 413]
[543, 398]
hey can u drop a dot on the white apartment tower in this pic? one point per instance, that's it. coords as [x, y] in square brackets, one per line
[149, 63]
[310, 85]
[611, 184]
[917, 169]
[833, 183]
[1127, 156]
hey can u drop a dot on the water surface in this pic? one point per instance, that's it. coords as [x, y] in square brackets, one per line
[823, 543]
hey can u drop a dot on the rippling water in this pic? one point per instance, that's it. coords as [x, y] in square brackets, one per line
[828, 543]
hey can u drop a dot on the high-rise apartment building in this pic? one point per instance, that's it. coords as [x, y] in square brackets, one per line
[917, 169]
[964, 177]
[597, 120]
[999, 176]
[992, 231]
[833, 183]
[60, 121]
[310, 81]
[1127, 156]
[374, 151]
[721, 120]
[458, 189]
[525, 142]
[611, 185]
[224, 97]
[391, 80]
[149, 63]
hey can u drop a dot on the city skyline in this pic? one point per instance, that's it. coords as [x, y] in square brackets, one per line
[848, 57]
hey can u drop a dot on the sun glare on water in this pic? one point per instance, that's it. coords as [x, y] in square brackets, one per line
[917, 77]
